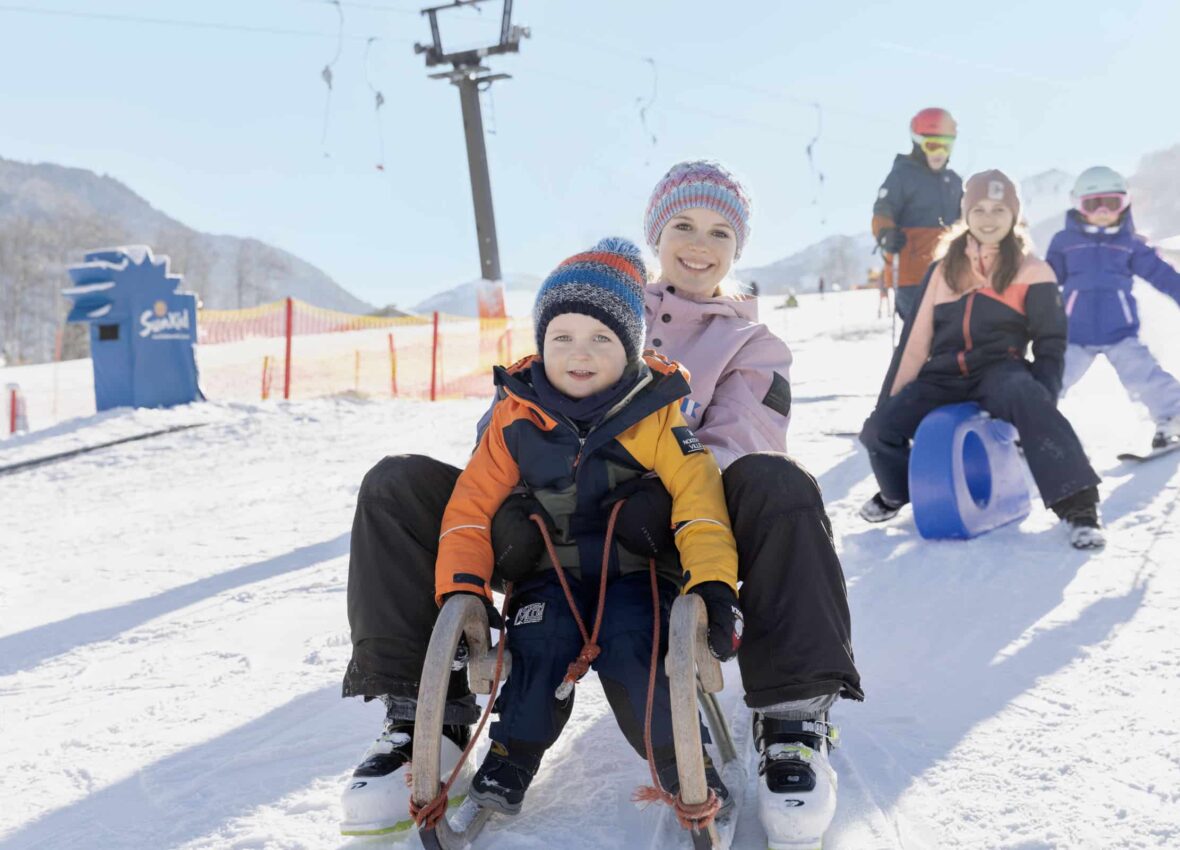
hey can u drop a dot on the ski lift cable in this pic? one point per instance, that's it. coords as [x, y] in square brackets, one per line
[378, 102]
[644, 107]
[326, 74]
[752, 89]
[181, 23]
[766, 126]
[815, 172]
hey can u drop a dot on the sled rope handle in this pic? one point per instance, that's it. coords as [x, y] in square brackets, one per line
[430, 814]
[590, 649]
[695, 817]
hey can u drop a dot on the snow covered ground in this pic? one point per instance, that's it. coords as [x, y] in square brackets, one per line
[172, 635]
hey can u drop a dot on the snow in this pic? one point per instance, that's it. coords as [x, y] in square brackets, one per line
[173, 633]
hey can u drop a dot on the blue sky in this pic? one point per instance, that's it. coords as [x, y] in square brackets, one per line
[214, 112]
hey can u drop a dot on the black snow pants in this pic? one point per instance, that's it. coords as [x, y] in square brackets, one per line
[797, 642]
[1007, 390]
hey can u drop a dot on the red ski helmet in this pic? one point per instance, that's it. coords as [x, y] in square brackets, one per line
[933, 121]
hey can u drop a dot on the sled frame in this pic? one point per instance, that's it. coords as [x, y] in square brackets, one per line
[462, 614]
[693, 673]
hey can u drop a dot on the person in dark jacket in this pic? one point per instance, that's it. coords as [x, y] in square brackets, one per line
[1095, 259]
[570, 430]
[917, 203]
[980, 308]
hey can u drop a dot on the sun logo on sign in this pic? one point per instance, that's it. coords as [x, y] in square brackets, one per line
[160, 309]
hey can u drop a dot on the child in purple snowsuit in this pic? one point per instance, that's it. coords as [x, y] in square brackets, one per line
[1095, 259]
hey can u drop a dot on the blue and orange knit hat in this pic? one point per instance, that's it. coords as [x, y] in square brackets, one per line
[606, 283]
[698, 183]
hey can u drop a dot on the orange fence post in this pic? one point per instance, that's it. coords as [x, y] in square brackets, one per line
[13, 400]
[290, 329]
[265, 377]
[392, 367]
[434, 360]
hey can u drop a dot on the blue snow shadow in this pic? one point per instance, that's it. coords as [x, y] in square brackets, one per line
[25, 650]
[943, 643]
[197, 791]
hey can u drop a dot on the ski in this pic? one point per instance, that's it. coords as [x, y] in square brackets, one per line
[1154, 453]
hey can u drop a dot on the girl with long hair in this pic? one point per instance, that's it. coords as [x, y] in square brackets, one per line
[982, 306]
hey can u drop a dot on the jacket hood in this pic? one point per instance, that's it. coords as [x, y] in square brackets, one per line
[661, 382]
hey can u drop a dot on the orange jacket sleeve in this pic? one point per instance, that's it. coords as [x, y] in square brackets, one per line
[465, 558]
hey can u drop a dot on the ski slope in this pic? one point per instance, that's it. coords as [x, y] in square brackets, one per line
[173, 632]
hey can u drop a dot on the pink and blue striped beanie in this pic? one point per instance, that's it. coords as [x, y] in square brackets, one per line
[698, 183]
[605, 282]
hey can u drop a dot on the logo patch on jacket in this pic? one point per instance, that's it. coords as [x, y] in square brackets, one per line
[778, 397]
[689, 444]
[690, 408]
[534, 612]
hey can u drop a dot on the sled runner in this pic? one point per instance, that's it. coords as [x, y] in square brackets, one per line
[693, 674]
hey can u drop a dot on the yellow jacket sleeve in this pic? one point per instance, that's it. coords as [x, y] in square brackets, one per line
[664, 443]
[465, 557]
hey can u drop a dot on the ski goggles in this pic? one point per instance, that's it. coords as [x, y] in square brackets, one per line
[1116, 202]
[935, 144]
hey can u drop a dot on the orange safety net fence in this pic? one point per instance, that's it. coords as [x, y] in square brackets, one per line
[291, 349]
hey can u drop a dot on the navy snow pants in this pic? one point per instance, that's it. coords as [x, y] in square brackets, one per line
[1008, 391]
[544, 638]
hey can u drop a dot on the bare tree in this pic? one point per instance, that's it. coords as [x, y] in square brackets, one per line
[34, 256]
[255, 270]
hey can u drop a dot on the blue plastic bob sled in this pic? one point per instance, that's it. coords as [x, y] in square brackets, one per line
[966, 474]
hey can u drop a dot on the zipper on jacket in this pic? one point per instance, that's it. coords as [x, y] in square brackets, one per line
[1126, 307]
[966, 334]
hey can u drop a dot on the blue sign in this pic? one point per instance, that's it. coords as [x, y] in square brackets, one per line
[143, 330]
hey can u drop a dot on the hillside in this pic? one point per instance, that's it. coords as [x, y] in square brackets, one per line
[50, 215]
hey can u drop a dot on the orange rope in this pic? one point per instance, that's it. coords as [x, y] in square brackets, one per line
[429, 815]
[697, 816]
[590, 649]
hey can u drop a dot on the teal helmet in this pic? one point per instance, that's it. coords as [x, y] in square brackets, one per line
[1098, 180]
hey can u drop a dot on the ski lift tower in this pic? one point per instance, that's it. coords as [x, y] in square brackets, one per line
[471, 77]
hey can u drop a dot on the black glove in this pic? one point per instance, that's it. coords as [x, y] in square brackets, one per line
[495, 622]
[725, 618]
[891, 240]
[644, 523]
[517, 544]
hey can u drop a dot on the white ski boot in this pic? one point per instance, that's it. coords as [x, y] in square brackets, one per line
[1085, 536]
[1167, 433]
[1085, 531]
[797, 793]
[377, 799]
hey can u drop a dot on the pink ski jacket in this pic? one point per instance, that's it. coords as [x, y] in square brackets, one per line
[739, 371]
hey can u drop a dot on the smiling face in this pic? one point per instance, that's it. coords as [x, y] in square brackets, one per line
[989, 221]
[582, 356]
[696, 251]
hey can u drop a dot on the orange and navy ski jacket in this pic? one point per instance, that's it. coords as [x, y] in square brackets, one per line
[571, 472]
[923, 203]
[962, 333]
